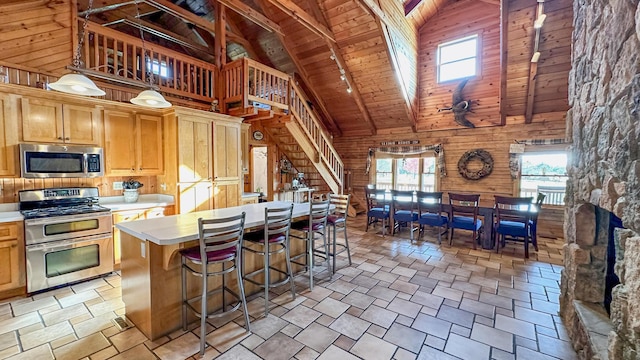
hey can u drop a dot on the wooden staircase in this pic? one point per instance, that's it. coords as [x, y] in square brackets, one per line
[290, 122]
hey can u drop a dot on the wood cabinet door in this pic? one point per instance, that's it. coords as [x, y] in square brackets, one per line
[9, 265]
[194, 151]
[244, 140]
[226, 155]
[149, 148]
[195, 196]
[119, 217]
[81, 124]
[8, 137]
[42, 121]
[119, 143]
[226, 194]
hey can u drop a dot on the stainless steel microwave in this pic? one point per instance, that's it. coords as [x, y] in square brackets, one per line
[60, 161]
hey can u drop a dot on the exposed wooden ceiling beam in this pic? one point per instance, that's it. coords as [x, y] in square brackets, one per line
[308, 21]
[181, 13]
[410, 6]
[235, 35]
[106, 8]
[371, 7]
[246, 11]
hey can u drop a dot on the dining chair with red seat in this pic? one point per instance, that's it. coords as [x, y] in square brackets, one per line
[430, 212]
[512, 221]
[463, 214]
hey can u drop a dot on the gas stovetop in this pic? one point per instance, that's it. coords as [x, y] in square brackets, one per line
[59, 202]
[63, 210]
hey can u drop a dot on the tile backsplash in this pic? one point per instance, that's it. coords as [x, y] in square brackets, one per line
[11, 186]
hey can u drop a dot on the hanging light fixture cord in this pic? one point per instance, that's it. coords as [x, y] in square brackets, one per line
[76, 58]
[144, 48]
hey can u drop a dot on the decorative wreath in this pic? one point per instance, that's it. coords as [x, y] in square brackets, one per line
[482, 155]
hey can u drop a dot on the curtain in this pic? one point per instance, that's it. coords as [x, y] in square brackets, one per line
[410, 150]
[514, 158]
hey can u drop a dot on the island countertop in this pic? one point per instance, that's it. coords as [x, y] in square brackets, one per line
[177, 229]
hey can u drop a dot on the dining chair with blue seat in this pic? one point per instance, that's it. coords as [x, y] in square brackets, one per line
[378, 207]
[533, 222]
[463, 214]
[512, 221]
[430, 212]
[403, 209]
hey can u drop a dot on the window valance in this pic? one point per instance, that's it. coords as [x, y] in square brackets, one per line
[514, 159]
[410, 150]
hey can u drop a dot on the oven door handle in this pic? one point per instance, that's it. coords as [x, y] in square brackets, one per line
[53, 220]
[64, 243]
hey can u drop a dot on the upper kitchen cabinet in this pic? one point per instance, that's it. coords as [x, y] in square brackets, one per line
[52, 122]
[133, 144]
[8, 135]
[227, 152]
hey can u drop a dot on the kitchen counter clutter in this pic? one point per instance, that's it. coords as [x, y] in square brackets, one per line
[145, 201]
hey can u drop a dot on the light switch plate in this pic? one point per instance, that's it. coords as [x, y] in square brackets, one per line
[117, 185]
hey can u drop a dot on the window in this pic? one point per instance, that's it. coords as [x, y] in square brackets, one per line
[545, 173]
[406, 173]
[457, 59]
[157, 68]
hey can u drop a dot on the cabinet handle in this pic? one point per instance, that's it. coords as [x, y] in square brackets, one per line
[133, 169]
[140, 169]
[67, 138]
[59, 137]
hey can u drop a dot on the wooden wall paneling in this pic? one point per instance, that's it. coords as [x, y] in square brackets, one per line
[38, 34]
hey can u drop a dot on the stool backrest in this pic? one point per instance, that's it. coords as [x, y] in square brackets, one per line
[220, 234]
[318, 213]
[277, 221]
[341, 203]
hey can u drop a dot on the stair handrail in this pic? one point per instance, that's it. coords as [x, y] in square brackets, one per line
[316, 134]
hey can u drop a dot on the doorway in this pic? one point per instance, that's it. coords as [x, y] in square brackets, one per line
[259, 170]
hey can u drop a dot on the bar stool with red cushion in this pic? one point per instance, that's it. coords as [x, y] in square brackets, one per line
[217, 254]
[308, 230]
[338, 220]
[276, 232]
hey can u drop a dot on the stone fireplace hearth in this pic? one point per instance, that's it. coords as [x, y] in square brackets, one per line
[604, 176]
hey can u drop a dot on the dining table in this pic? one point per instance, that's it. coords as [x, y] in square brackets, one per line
[485, 211]
[151, 263]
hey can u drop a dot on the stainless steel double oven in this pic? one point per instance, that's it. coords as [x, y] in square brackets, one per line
[68, 236]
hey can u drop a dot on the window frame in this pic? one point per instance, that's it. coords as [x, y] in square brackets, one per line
[394, 168]
[541, 150]
[478, 57]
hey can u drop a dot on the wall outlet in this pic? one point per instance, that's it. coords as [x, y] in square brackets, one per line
[117, 185]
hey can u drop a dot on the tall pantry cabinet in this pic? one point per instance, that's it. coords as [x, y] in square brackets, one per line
[207, 160]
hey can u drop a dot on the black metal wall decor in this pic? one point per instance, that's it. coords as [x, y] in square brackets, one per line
[480, 154]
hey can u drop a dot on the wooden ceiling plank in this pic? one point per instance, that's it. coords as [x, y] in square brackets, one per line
[235, 35]
[249, 13]
[308, 21]
[335, 50]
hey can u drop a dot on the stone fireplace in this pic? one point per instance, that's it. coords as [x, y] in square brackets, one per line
[604, 178]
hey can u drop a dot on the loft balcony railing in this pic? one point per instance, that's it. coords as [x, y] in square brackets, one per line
[121, 56]
[248, 82]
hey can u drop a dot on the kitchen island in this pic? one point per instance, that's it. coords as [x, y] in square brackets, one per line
[151, 286]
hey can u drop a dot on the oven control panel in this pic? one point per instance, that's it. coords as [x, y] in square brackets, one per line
[61, 192]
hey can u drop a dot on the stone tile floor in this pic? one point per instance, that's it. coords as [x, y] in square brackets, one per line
[399, 300]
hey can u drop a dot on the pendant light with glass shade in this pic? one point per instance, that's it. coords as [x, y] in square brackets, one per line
[75, 83]
[148, 98]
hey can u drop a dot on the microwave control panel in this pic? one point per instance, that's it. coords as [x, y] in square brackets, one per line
[93, 163]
